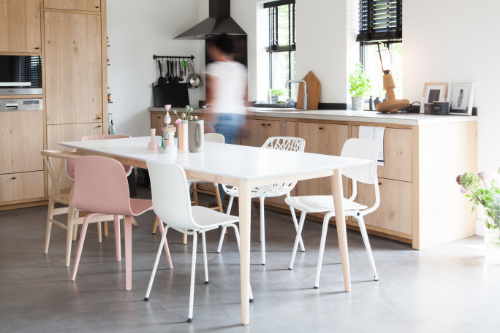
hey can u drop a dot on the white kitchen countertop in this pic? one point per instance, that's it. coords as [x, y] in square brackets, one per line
[350, 115]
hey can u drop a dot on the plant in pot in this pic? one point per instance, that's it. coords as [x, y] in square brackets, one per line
[359, 86]
[484, 191]
[275, 93]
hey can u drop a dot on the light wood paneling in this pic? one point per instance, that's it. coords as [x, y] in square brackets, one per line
[73, 68]
[397, 153]
[395, 210]
[325, 139]
[89, 5]
[20, 28]
[21, 186]
[21, 140]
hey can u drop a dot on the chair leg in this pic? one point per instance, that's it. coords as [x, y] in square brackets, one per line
[106, 230]
[99, 232]
[134, 222]
[118, 246]
[217, 197]
[155, 266]
[324, 231]
[193, 268]
[165, 245]
[364, 234]
[155, 225]
[237, 234]
[83, 233]
[230, 205]
[294, 219]
[262, 231]
[75, 231]
[195, 194]
[297, 239]
[223, 233]
[48, 228]
[70, 231]
[205, 261]
[184, 239]
[128, 251]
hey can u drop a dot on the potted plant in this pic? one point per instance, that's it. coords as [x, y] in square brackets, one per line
[359, 86]
[483, 191]
[275, 93]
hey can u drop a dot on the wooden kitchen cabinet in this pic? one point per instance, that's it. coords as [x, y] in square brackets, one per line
[20, 26]
[21, 140]
[21, 186]
[257, 131]
[73, 68]
[88, 5]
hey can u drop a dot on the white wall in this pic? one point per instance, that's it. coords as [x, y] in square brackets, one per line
[136, 31]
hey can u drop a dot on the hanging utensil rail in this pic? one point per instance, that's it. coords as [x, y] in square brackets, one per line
[172, 57]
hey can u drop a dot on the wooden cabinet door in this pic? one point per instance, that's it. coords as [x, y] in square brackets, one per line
[21, 186]
[255, 133]
[69, 132]
[394, 212]
[21, 141]
[73, 68]
[20, 26]
[89, 5]
[325, 139]
[157, 121]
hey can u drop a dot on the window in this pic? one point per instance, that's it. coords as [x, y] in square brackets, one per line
[281, 47]
[381, 22]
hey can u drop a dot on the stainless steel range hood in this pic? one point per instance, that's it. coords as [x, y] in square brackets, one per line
[219, 22]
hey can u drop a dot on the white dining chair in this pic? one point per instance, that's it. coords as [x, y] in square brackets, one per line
[263, 192]
[172, 205]
[354, 148]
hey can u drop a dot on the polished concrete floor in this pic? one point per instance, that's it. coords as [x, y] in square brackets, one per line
[447, 288]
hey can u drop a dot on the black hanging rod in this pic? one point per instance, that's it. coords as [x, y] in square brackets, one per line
[173, 57]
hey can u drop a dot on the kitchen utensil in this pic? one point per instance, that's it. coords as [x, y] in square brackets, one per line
[176, 72]
[171, 72]
[161, 79]
[165, 69]
[313, 89]
[193, 80]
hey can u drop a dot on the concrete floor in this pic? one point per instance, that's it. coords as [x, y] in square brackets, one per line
[447, 288]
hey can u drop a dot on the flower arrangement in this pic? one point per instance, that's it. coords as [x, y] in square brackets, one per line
[482, 191]
[185, 116]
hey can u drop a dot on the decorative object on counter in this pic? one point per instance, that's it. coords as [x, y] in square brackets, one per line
[152, 145]
[170, 147]
[308, 93]
[196, 135]
[370, 103]
[483, 190]
[461, 97]
[441, 108]
[428, 108]
[359, 86]
[376, 101]
[435, 91]
[275, 93]
[109, 96]
[166, 138]
[392, 104]
[183, 134]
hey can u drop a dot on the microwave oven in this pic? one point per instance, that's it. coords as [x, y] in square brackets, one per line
[20, 75]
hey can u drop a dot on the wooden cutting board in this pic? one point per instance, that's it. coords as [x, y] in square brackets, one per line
[313, 88]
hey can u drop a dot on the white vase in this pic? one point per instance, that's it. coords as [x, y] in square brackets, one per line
[171, 149]
[492, 246]
[357, 103]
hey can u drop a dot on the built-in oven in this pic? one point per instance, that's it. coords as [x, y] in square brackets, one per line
[21, 104]
[20, 75]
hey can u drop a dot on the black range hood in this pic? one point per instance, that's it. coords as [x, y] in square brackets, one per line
[219, 22]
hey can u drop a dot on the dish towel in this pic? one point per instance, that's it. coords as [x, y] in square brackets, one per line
[375, 134]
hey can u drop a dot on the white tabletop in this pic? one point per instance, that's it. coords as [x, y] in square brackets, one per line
[232, 161]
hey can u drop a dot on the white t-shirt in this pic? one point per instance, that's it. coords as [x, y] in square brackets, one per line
[231, 82]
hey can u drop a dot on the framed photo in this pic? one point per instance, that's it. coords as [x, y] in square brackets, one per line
[434, 92]
[461, 97]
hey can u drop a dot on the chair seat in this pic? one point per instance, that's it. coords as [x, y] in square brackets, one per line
[139, 206]
[207, 217]
[320, 204]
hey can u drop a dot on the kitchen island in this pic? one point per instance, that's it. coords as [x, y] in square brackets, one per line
[420, 200]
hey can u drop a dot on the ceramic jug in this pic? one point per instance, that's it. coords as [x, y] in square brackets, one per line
[196, 135]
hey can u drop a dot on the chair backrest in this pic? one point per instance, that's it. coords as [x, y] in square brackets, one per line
[365, 149]
[70, 166]
[215, 137]
[54, 162]
[170, 194]
[101, 186]
[287, 143]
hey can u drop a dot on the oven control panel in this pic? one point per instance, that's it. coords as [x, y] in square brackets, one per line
[21, 104]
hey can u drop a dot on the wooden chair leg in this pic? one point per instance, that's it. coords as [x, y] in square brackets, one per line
[195, 194]
[155, 225]
[134, 222]
[105, 228]
[184, 239]
[217, 196]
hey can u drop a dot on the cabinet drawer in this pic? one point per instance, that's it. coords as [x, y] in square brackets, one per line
[397, 153]
[89, 5]
[21, 186]
[395, 210]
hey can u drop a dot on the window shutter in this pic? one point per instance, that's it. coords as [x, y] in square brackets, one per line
[380, 20]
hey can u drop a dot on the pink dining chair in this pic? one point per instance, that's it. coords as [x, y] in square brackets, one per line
[101, 188]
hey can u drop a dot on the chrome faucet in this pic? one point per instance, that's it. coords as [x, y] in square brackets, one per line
[305, 90]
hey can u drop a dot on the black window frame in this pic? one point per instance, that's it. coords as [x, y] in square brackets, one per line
[274, 42]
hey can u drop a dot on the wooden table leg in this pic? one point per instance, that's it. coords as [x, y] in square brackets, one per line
[338, 193]
[245, 222]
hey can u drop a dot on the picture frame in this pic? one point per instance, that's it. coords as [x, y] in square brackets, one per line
[434, 92]
[461, 97]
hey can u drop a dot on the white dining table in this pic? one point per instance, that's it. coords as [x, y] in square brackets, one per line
[241, 166]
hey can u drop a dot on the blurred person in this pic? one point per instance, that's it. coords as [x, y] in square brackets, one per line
[226, 89]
